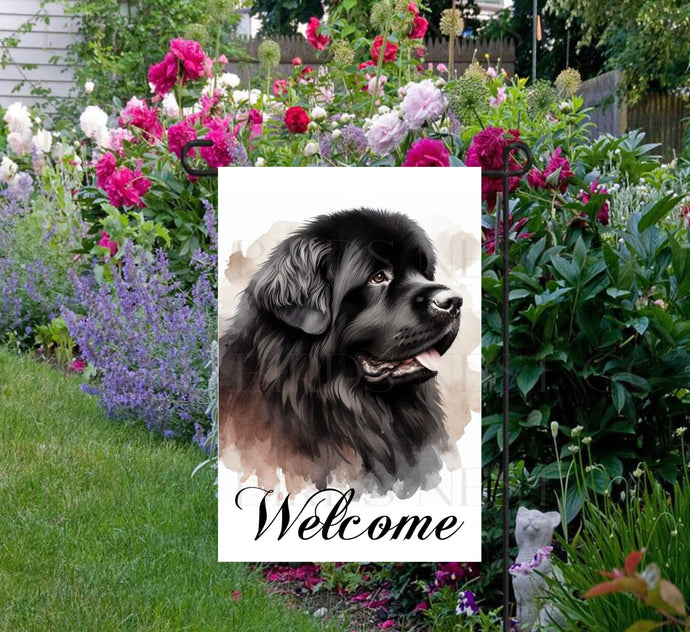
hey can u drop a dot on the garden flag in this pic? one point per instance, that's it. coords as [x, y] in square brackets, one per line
[349, 358]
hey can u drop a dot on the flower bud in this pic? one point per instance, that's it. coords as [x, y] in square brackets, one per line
[311, 149]
[260, 162]
[89, 86]
[554, 429]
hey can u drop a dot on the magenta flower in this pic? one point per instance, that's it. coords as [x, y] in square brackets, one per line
[78, 365]
[185, 61]
[108, 243]
[220, 154]
[126, 187]
[554, 176]
[179, 135]
[387, 624]
[427, 152]
[319, 42]
[138, 114]
[419, 27]
[486, 151]
[105, 167]
[603, 213]
[491, 240]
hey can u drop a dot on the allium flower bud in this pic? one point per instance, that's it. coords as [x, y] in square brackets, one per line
[269, 53]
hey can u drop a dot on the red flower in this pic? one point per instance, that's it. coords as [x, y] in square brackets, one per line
[111, 245]
[389, 53]
[186, 60]
[686, 214]
[486, 151]
[317, 41]
[179, 135]
[366, 64]
[126, 187]
[296, 119]
[419, 27]
[296, 61]
[105, 167]
[427, 152]
[412, 8]
[236, 595]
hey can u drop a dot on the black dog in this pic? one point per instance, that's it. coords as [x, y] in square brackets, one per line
[330, 355]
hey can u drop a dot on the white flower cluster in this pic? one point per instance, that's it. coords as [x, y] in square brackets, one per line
[223, 83]
[8, 169]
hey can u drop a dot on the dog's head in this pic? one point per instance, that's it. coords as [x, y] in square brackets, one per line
[362, 281]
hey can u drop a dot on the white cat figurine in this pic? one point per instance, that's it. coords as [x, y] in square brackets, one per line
[533, 533]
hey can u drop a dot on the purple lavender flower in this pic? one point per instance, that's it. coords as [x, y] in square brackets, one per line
[467, 603]
[149, 341]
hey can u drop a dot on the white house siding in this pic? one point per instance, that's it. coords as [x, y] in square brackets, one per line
[37, 47]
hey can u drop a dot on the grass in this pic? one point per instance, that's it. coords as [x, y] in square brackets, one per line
[101, 526]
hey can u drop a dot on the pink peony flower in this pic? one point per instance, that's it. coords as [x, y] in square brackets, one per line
[499, 98]
[423, 103]
[319, 42]
[220, 154]
[419, 27]
[280, 87]
[126, 187]
[78, 365]
[192, 59]
[116, 138]
[163, 75]
[413, 8]
[491, 239]
[389, 52]
[427, 152]
[137, 114]
[386, 133]
[296, 61]
[372, 85]
[108, 243]
[442, 67]
[186, 60]
[179, 135]
[105, 167]
[366, 64]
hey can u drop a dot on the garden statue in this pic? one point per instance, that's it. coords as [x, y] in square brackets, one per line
[533, 533]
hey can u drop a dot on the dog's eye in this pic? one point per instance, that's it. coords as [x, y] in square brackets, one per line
[379, 277]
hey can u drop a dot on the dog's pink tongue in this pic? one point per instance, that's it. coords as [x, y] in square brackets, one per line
[430, 359]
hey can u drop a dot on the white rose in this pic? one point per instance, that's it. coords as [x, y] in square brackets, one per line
[94, 123]
[89, 86]
[311, 149]
[18, 118]
[42, 140]
[8, 169]
[228, 80]
[170, 107]
[318, 113]
[19, 142]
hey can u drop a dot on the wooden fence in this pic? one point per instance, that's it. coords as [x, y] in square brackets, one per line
[436, 52]
[659, 116]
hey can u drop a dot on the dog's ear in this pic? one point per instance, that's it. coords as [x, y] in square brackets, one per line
[292, 285]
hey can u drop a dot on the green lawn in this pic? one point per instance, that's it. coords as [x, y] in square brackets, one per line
[101, 526]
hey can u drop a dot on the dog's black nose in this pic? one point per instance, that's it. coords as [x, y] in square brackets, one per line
[446, 301]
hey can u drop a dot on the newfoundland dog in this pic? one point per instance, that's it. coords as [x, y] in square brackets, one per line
[327, 369]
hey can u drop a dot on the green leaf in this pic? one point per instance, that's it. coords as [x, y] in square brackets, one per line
[528, 376]
[579, 253]
[614, 292]
[567, 270]
[533, 419]
[633, 380]
[657, 212]
[618, 394]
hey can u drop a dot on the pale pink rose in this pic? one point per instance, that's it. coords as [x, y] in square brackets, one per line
[499, 98]
[386, 133]
[19, 142]
[423, 103]
[372, 85]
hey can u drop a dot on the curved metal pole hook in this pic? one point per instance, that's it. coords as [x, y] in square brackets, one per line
[200, 173]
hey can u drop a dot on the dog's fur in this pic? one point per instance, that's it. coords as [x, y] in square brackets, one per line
[319, 369]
